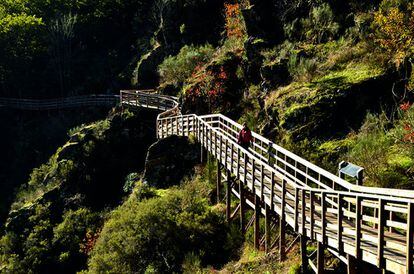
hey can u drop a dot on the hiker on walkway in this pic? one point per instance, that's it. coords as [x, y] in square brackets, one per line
[245, 137]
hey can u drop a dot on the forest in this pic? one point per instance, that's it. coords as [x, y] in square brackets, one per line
[328, 80]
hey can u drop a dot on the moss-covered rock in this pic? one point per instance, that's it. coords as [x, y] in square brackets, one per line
[169, 160]
[330, 105]
[87, 173]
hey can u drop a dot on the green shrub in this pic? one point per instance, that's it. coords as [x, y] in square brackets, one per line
[155, 235]
[321, 25]
[386, 151]
[176, 69]
[303, 69]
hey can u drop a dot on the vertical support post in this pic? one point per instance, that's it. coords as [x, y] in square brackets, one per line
[323, 217]
[282, 224]
[320, 259]
[410, 236]
[267, 228]
[262, 178]
[202, 153]
[272, 191]
[256, 222]
[340, 220]
[296, 209]
[304, 256]
[218, 181]
[242, 206]
[351, 265]
[312, 213]
[358, 234]
[228, 196]
[381, 242]
[303, 213]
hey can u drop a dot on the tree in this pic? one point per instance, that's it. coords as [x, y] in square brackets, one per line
[61, 33]
[321, 25]
[395, 32]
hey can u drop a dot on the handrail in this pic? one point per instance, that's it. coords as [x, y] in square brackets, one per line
[309, 166]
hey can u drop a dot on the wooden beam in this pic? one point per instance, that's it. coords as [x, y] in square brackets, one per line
[312, 214]
[380, 229]
[257, 222]
[323, 217]
[282, 225]
[303, 225]
[410, 236]
[340, 220]
[296, 209]
[218, 186]
[242, 207]
[358, 234]
[303, 255]
[267, 228]
[320, 258]
[228, 195]
[351, 265]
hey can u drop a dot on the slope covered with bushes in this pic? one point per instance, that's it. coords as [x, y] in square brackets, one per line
[327, 79]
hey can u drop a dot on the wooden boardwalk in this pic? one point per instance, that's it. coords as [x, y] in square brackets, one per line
[355, 223]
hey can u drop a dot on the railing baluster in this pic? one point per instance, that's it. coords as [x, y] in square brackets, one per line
[303, 212]
[323, 216]
[410, 236]
[312, 217]
[340, 219]
[296, 208]
[358, 234]
[272, 191]
[381, 240]
[262, 178]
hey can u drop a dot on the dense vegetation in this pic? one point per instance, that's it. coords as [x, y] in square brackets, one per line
[328, 79]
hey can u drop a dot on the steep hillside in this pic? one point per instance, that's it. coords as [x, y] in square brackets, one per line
[329, 80]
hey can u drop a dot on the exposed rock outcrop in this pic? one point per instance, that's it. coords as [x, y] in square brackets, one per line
[169, 160]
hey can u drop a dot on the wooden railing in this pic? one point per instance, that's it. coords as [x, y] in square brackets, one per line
[59, 103]
[371, 224]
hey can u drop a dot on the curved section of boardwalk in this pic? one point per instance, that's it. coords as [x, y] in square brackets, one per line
[59, 103]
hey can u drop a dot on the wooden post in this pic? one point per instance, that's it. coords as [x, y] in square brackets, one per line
[272, 191]
[351, 265]
[358, 234]
[202, 154]
[282, 224]
[242, 206]
[323, 217]
[410, 236]
[312, 213]
[340, 220]
[381, 241]
[256, 222]
[320, 259]
[303, 225]
[228, 196]
[296, 209]
[218, 181]
[304, 256]
[267, 228]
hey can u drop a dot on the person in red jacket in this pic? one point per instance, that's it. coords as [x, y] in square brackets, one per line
[245, 137]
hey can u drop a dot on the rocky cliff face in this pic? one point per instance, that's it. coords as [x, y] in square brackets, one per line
[169, 160]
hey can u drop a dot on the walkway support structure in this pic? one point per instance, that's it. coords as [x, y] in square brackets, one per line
[355, 223]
